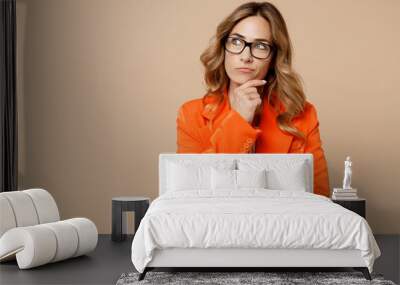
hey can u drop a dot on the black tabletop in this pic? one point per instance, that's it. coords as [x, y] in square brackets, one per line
[130, 198]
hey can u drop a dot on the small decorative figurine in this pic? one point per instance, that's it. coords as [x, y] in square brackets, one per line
[347, 174]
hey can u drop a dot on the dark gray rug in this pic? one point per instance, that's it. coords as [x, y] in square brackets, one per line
[229, 278]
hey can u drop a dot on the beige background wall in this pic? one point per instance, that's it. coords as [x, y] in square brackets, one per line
[99, 84]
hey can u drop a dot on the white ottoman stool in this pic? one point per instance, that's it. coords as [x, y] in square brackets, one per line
[31, 232]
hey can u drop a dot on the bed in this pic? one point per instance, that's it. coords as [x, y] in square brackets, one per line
[246, 211]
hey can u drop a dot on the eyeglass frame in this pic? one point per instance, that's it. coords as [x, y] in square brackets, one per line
[249, 44]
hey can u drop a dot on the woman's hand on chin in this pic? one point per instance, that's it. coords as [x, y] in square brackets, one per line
[245, 99]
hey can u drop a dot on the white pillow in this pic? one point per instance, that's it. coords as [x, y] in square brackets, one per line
[293, 179]
[251, 178]
[236, 179]
[282, 174]
[193, 174]
[223, 178]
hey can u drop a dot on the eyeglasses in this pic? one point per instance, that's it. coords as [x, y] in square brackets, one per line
[258, 50]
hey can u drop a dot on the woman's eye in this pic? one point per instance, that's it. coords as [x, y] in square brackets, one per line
[261, 46]
[236, 42]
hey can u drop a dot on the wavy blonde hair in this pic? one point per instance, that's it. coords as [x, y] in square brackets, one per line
[283, 83]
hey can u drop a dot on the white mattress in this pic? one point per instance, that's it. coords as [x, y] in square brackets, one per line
[250, 218]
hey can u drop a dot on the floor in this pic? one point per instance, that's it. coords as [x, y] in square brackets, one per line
[111, 259]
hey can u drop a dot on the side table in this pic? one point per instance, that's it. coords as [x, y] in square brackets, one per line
[139, 205]
[355, 205]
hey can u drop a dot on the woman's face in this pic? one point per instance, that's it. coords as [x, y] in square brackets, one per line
[249, 29]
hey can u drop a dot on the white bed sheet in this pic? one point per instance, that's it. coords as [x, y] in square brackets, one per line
[250, 218]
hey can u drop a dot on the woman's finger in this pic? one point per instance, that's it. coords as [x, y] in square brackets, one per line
[252, 83]
[250, 90]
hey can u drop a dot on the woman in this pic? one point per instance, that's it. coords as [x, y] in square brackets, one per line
[255, 100]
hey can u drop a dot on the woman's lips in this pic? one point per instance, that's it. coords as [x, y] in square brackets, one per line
[245, 70]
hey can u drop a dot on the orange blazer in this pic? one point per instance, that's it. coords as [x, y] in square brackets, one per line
[209, 127]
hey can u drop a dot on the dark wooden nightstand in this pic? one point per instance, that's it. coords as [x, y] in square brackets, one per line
[356, 205]
[139, 205]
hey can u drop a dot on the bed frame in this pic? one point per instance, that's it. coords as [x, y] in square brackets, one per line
[247, 259]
